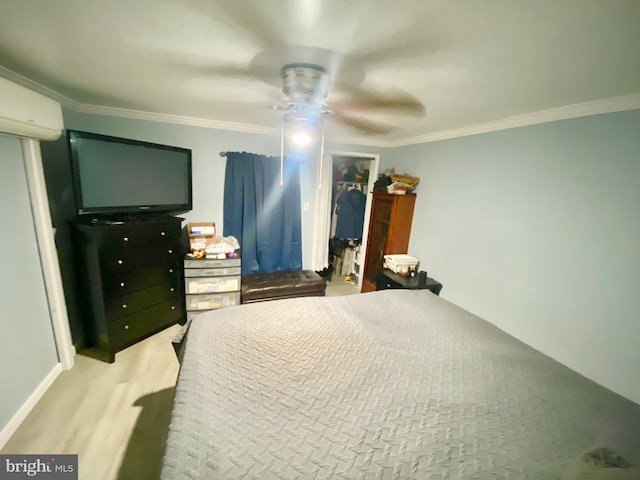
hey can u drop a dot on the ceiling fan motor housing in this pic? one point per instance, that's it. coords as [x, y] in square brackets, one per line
[305, 83]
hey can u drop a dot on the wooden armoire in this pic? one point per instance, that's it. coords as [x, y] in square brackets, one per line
[389, 230]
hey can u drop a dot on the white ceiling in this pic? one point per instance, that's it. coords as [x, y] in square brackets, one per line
[469, 62]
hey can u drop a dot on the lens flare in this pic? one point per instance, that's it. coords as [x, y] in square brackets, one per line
[300, 138]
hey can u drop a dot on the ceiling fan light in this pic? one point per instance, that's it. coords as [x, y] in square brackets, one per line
[305, 83]
[301, 138]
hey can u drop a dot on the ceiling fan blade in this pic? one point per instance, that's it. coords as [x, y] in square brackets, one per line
[233, 71]
[360, 124]
[215, 68]
[361, 98]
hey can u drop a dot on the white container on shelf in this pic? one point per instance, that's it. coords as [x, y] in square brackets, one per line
[401, 263]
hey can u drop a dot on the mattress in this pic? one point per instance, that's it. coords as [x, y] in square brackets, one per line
[395, 384]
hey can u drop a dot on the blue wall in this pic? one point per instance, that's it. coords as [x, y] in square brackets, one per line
[537, 229]
[208, 166]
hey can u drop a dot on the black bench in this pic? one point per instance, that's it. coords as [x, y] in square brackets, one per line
[260, 287]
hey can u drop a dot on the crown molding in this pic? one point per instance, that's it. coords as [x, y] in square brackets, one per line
[38, 87]
[608, 105]
[207, 123]
[175, 119]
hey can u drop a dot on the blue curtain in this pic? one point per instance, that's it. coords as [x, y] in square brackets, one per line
[262, 214]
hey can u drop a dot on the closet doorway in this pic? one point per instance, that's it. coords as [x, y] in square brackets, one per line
[353, 176]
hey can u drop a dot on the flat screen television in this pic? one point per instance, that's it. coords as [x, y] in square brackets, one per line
[120, 177]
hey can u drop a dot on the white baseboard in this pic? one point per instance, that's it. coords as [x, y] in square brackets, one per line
[10, 428]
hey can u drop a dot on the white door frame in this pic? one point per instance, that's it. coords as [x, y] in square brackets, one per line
[48, 253]
[373, 176]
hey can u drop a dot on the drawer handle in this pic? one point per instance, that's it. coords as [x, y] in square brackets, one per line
[162, 233]
[170, 251]
[171, 270]
[173, 307]
[126, 327]
[119, 262]
[122, 284]
[126, 239]
[124, 305]
[171, 289]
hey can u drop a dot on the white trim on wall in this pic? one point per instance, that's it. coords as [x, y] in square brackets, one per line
[48, 252]
[208, 123]
[24, 410]
[609, 105]
[176, 119]
[597, 107]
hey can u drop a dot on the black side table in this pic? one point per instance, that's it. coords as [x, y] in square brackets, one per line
[388, 280]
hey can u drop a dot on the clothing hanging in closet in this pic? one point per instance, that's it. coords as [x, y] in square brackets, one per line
[350, 207]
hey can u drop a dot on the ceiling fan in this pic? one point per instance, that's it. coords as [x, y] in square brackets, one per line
[319, 81]
[306, 87]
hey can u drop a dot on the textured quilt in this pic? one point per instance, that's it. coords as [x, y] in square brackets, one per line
[395, 384]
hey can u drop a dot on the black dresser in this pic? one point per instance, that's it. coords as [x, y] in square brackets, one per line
[130, 278]
[387, 279]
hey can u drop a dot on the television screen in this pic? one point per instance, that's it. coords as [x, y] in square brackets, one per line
[120, 176]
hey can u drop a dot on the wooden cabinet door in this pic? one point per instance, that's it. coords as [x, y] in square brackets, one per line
[400, 224]
[389, 230]
[378, 235]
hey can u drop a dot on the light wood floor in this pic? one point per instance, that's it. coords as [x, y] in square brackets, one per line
[114, 416]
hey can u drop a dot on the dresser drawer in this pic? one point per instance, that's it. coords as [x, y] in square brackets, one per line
[130, 329]
[113, 261]
[212, 301]
[117, 307]
[126, 249]
[141, 234]
[210, 263]
[116, 284]
[212, 284]
[211, 272]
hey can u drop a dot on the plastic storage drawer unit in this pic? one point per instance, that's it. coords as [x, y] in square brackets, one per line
[211, 284]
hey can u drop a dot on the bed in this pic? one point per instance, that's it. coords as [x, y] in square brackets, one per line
[395, 384]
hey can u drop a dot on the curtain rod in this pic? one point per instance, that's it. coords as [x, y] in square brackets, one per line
[223, 154]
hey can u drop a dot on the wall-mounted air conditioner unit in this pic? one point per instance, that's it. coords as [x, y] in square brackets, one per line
[26, 113]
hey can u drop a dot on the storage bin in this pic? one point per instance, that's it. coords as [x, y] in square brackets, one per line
[211, 272]
[195, 285]
[400, 263]
[212, 301]
[211, 263]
